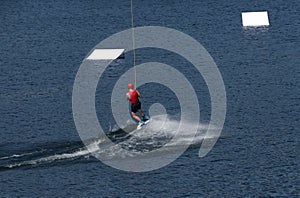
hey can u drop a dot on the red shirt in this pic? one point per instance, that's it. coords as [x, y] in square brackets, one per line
[134, 97]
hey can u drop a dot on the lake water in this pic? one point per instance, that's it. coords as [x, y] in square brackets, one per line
[43, 45]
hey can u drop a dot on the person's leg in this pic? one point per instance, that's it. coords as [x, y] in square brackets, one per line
[135, 116]
[134, 109]
[139, 109]
[141, 112]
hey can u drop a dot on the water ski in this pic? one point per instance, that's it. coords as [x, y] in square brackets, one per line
[145, 121]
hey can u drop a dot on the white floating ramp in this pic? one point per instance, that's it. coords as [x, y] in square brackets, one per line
[106, 54]
[255, 19]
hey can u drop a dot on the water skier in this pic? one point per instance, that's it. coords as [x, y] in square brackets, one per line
[133, 96]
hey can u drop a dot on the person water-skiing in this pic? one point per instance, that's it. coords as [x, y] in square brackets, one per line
[133, 96]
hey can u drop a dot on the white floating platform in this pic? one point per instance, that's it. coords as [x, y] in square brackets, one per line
[255, 19]
[106, 54]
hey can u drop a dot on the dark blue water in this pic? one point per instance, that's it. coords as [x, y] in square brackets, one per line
[43, 45]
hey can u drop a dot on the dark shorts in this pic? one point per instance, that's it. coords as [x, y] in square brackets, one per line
[135, 107]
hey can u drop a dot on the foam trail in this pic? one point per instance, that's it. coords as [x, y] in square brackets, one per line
[159, 132]
[21, 155]
[93, 147]
[49, 159]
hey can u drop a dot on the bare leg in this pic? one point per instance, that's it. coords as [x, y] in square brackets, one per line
[135, 116]
[141, 112]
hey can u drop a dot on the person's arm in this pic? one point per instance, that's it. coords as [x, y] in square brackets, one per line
[127, 96]
[139, 95]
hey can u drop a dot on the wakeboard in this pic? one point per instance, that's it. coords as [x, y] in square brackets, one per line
[146, 120]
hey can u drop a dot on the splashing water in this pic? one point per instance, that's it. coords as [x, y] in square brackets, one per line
[158, 133]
